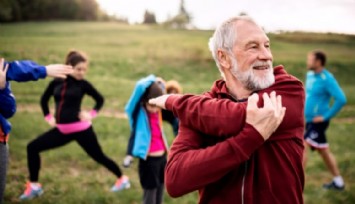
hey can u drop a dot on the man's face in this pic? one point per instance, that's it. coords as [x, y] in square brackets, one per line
[311, 62]
[252, 61]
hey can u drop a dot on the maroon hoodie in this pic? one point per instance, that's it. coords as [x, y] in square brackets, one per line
[227, 160]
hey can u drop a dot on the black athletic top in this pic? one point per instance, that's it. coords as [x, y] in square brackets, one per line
[68, 94]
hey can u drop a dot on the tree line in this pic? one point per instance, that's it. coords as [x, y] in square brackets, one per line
[42, 10]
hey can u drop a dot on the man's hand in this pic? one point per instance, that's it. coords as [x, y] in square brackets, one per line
[318, 119]
[85, 116]
[3, 71]
[59, 70]
[268, 118]
[160, 101]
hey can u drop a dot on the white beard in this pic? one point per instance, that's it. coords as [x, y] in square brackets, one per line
[250, 80]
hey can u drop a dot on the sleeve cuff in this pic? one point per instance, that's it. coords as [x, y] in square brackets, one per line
[42, 72]
[6, 89]
[93, 113]
[48, 117]
[169, 103]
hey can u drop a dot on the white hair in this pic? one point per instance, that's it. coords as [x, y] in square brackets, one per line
[225, 37]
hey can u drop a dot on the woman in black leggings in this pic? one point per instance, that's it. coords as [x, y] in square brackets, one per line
[70, 124]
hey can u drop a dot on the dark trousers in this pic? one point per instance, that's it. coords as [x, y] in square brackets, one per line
[151, 175]
[153, 196]
[4, 155]
[54, 138]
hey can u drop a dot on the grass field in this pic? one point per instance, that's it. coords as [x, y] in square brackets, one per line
[122, 54]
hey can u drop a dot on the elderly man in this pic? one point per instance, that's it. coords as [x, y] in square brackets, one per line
[225, 149]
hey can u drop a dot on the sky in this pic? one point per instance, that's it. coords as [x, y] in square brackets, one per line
[290, 15]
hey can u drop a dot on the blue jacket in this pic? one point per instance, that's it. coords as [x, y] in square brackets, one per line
[20, 71]
[138, 119]
[320, 89]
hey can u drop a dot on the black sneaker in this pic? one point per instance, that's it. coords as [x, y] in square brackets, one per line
[332, 185]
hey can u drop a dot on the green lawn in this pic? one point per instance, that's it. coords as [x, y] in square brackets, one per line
[122, 54]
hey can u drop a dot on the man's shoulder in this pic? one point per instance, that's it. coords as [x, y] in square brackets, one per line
[284, 80]
[327, 75]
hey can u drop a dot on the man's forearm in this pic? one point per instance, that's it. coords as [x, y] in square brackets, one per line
[218, 117]
[190, 167]
[25, 70]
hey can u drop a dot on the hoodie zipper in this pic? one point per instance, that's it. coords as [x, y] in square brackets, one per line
[243, 182]
[61, 101]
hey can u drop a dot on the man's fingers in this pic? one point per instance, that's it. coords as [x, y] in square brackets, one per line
[273, 98]
[57, 70]
[153, 101]
[67, 69]
[278, 104]
[157, 102]
[267, 101]
[283, 112]
[160, 101]
[62, 76]
[2, 61]
[253, 101]
[64, 69]
[6, 68]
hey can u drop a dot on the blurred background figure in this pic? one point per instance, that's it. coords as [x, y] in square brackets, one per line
[69, 124]
[172, 87]
[147, 141]
[321, 88]
[20, 71]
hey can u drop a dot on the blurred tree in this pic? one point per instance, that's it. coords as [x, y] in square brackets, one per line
[34, 10]
[182, 20]
[149, 18]
[10, 11]
[243, 13]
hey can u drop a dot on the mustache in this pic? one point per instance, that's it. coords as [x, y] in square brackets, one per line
[260, 63]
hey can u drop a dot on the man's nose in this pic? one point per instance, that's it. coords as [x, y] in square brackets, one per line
[265, 54]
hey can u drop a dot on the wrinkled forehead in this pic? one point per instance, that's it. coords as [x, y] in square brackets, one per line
[249, 32]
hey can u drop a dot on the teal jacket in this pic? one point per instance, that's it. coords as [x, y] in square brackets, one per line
[138, 119]
[320, 89]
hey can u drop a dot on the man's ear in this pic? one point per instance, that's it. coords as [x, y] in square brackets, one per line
[224, 59]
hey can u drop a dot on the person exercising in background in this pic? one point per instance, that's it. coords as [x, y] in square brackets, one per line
[147, 141]
[321, 87]
[172, 87]
[69, 124]
[20, 71]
